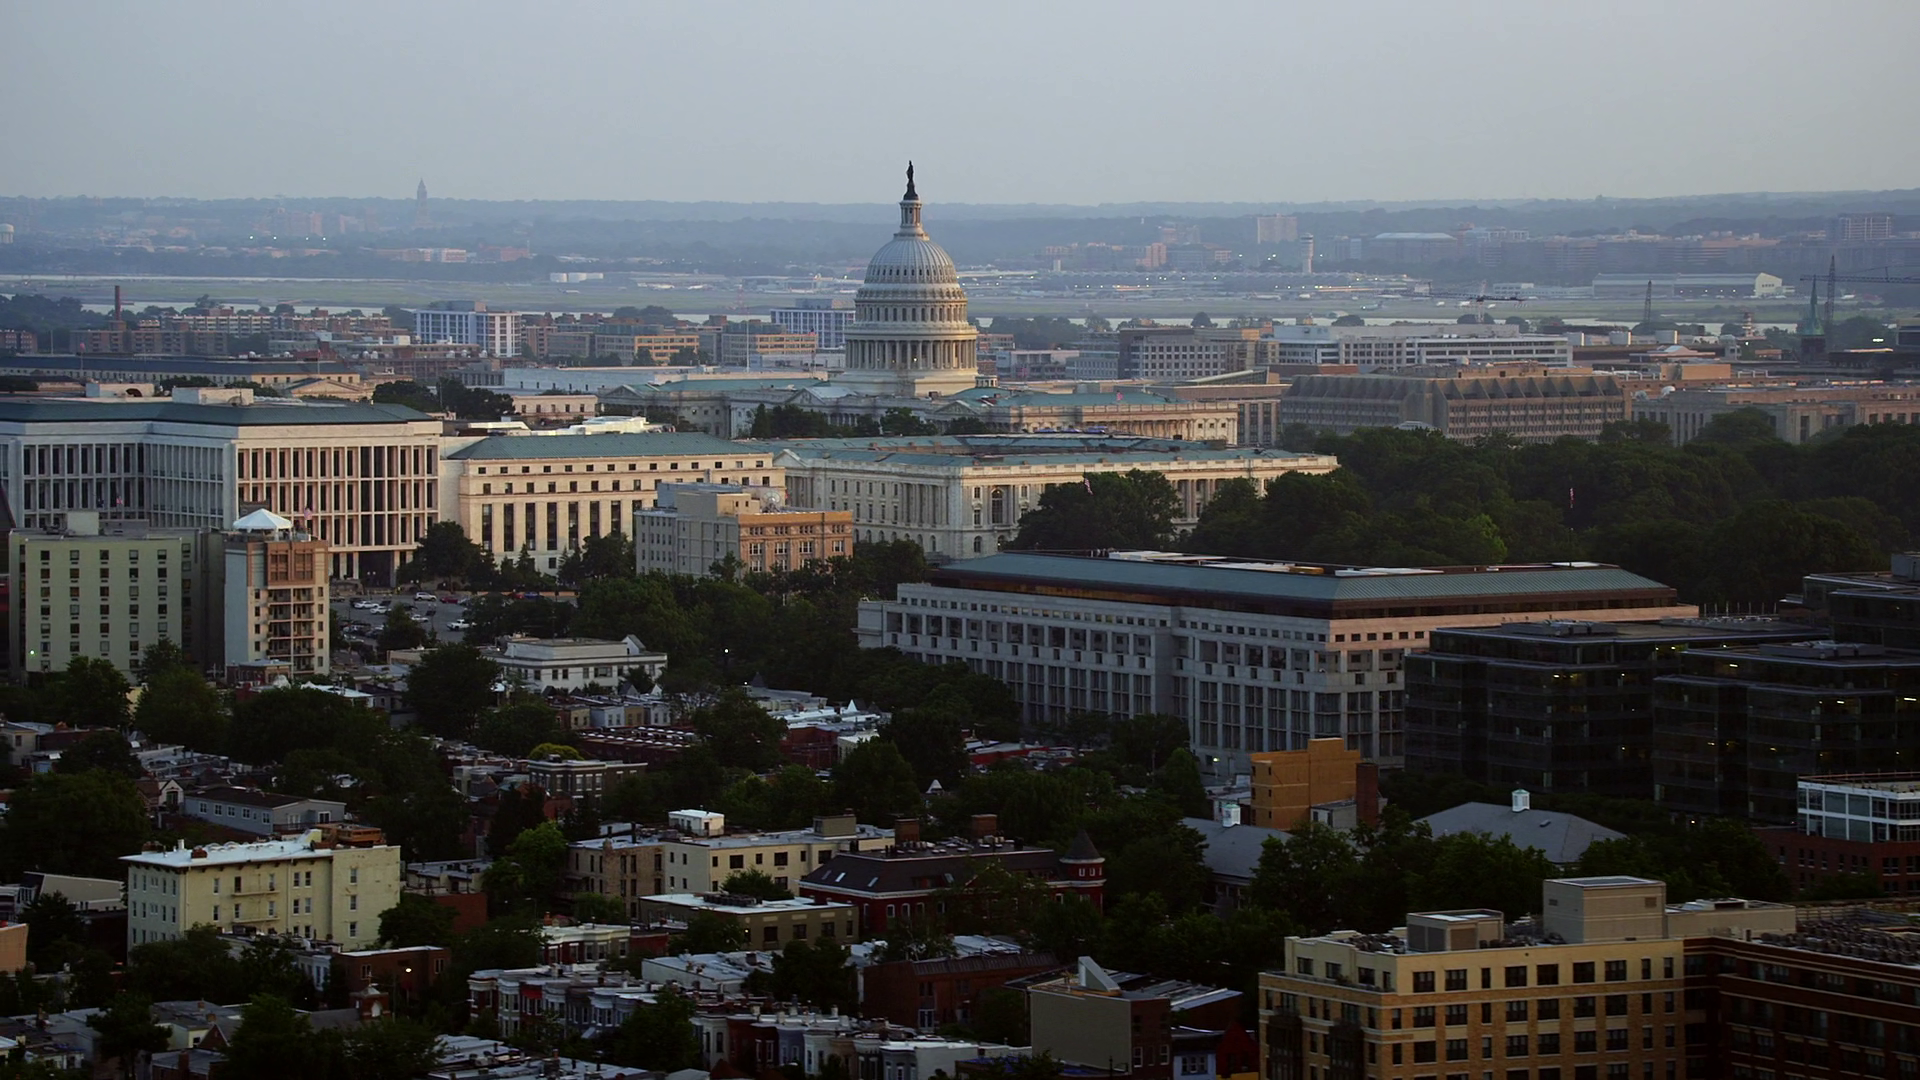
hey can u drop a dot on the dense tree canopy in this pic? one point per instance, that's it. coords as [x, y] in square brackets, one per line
[1131, 510]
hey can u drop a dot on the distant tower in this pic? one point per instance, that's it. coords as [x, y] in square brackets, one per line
[1646, 309]
[1306, 254]
[420, 205]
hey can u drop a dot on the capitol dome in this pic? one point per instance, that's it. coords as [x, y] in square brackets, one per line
[910, 333]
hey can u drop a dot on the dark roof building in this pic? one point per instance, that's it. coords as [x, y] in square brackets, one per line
[1562, 838]
[1556, 706]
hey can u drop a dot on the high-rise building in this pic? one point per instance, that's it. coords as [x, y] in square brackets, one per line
[1555, 706]
[1735, 729]
[81, 588]
[825, 318]
[1276, 229]
[1854, 228]
[274, 596]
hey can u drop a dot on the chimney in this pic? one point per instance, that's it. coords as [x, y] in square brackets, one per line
[985, 825]
[1366, 792]
[1521, 800]
[906, 831]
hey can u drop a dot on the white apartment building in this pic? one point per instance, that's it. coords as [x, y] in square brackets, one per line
[547, 494]
[960, 496]
[314, 886]
[1255, 656]
[360, 477]
[490, 333]
[821, 318]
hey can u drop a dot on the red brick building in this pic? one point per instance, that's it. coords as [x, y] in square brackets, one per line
[900, 882]
[928, 994]
[1853, 824]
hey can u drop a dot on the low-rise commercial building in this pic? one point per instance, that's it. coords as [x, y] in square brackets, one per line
[1798, 413]
[1530, 402]
[1864, 825]
[261, 813]
[1254, 655]
[1129, 1025]
[1600, 980]
[570, 665]
[767, 924]
[1289, 784]
[328, 885]
[694, 527]
[959, 496]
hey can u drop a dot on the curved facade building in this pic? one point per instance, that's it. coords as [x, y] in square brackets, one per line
[910, 336]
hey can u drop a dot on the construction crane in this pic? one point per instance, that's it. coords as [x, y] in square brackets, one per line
[1880, 276]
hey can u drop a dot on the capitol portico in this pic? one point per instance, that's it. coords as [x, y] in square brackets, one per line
[910, 336]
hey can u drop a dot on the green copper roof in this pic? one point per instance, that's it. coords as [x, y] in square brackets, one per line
[26, 409]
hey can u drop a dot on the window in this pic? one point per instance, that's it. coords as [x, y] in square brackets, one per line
[1616, 1039]
[1583, 1006]
[1456, 1049]
[1585, 1042]
[1547, 1009]
[1583, 971]
[1457, 979]
[736, 862]
[1422, 980]
[1616, 971]
[1456, 1015]
[353, 875]
[1423, 1016]
[1517, 1011]
[1616, 1004]
[1517, 975]
[1516, 1046]
[1549, 1043]
[1423, 1052]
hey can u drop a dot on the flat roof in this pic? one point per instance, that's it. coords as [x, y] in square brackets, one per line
[1323, 583]
[610, 444]
[709, 902]
[178, 365]
[1706, 628]
[263, 412]
[182, 858]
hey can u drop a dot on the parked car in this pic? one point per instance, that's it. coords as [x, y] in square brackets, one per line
[449, 598]
[427, 597]
[459, 624]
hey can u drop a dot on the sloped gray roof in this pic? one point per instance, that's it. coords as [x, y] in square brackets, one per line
[1562, 838]
[1232, 851]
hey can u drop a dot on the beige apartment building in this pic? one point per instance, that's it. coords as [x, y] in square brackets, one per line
[627, 867]
[274, 596]
[703, 855]
[328, 885]
[547, 494]
[106, 592]
[695, 526]
[1593, 987]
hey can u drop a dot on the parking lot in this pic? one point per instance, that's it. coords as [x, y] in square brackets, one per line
[360, 618]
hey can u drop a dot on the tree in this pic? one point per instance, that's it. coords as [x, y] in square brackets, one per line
[391, 1048]
[163, 656]
[514, 730]
[528, 878]
[72, 823]
[400, 631]
[1471, 870]
[104, 749]
[599, 908]
[51, 921]
[707, 932]
[178, 706]
[1350, 320]
[91, 693]
[445, 552]
[273, 1042]
[126, 1030]
[1132, 510]
[1201, 321]
[408, 393]
[449, 687]
[659, 1036]
[1180, 780]
[876, 783]
[1148, 740]
[271, 725]
[544, 751]
[754, 883]
[739, 731]
[416, 920]
[819, 974]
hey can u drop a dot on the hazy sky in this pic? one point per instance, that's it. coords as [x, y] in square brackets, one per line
[1056, 101]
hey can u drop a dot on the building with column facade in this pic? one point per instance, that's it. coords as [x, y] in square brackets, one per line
[360, 477]
[1530, 402]
[960, 496]
[1253, 655]
[548, 494]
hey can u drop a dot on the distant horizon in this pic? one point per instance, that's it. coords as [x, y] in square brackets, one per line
[1111, 103]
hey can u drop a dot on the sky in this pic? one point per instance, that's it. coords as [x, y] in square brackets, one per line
[1038, 101]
